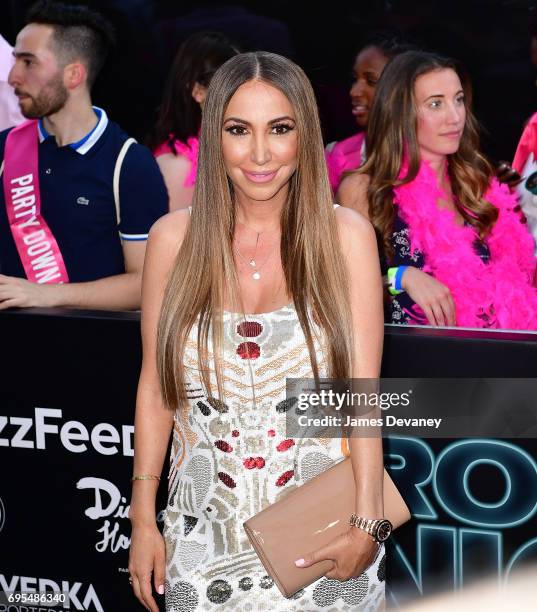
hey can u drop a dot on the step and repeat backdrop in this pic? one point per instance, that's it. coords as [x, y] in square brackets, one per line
[67, 398]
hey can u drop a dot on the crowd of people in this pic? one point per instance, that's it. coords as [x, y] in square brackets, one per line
[85, 244]
[93, 210]
[268, 256]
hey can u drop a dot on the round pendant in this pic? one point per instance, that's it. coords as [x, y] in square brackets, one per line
[256, 275]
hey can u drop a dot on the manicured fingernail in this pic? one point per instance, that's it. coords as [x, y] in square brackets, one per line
[161, 589]
[299, 562]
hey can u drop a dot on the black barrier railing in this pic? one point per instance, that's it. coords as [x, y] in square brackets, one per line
[467, 353]
[67, 399]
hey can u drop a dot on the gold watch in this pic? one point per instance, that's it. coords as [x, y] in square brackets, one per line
[379, 529]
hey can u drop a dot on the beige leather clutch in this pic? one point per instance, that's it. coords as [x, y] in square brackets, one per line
[309, 517]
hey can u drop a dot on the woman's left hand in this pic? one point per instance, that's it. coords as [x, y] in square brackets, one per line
[351, 552]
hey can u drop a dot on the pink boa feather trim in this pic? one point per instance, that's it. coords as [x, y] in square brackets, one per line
[497, 294]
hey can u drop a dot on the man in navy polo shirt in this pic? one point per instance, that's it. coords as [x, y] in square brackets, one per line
[99, 196]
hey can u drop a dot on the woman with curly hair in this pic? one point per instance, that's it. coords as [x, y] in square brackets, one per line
[455, 247]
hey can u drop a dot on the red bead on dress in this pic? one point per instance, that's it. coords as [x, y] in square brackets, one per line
[223, 446]
[285, 445]
[227, 480]
[284, 478]
[248, 350]
[249, 329]
[249, 463]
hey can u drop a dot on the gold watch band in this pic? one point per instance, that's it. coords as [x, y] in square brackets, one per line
[367, 525]
[379, 529]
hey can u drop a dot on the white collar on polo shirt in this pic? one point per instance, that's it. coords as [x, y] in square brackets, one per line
[83, 145]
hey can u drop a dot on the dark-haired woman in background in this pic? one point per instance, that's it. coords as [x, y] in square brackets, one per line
[369, 63]
[174, 140]
[454, 243]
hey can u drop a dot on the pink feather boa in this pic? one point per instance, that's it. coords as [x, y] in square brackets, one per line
[497, 294]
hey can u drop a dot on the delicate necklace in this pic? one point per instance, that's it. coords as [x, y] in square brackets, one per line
[256, 275]
[252, 261]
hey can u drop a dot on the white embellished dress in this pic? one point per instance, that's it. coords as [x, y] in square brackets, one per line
[231, 459]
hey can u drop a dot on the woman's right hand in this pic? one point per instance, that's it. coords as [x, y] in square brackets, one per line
[432, 296]
[147, 557]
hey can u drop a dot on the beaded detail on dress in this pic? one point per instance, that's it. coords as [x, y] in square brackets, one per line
[229, 460]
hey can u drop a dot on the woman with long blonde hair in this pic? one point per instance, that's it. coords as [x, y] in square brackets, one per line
[257, 284]
[456, 249]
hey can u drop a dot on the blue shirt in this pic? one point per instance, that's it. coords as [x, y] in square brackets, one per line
[77, 200]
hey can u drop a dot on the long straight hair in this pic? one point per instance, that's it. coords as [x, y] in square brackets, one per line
[204, 272]
[392, 135]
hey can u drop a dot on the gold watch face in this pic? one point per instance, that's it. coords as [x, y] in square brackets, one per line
[384, 531]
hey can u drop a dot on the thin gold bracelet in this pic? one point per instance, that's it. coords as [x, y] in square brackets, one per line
[145, 477]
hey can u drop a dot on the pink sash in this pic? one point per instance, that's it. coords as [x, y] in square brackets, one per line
[37, 247]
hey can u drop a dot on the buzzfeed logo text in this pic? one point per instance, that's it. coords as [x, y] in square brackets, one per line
[35, 432]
